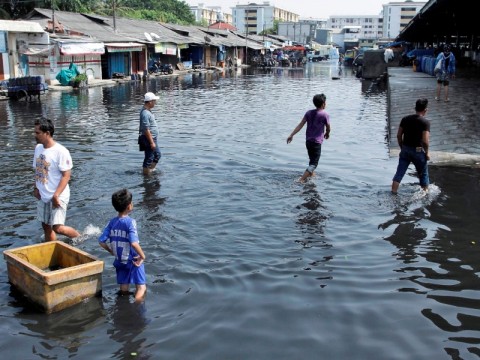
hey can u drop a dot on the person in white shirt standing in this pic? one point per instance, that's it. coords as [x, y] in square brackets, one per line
[52, 164]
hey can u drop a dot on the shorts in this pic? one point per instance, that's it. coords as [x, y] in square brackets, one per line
[130, 274]
[314, 150]
[443, 78]
[49, 215]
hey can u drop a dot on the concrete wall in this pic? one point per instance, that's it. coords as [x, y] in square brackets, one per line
[374, 64]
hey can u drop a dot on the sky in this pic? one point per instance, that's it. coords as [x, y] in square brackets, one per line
[317, 9]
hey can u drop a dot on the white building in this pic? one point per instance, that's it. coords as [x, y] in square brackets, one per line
[255, 18]
[396, 15]
[16, 38]
[210, 14]
[371, 26]
[302, 32]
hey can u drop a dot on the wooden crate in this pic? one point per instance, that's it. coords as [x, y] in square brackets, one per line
[54, 275]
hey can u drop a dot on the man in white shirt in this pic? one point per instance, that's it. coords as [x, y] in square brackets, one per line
[52, 164]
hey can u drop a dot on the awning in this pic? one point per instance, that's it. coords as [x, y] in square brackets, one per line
[81, 48]
[294, 48]
[124, 47]
[39, 52]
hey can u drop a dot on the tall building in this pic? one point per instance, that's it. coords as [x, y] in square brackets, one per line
[210, 14]
[396, 15]
[369, 26]
[255, 18]
[303, 31]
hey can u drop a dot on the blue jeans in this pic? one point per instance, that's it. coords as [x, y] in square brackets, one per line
[152, 156]
[314, 151]
[410, 155]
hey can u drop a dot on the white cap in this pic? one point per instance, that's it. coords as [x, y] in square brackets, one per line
[150, 96]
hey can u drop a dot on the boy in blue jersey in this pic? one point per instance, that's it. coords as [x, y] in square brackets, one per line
[120, 238]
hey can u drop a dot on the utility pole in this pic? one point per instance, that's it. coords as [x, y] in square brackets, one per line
[53, 17]
[114, 4]
[246, 35]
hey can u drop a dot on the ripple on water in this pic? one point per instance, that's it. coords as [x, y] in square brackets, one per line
[242, 260]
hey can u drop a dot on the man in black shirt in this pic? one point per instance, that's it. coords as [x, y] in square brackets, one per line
[413, 137]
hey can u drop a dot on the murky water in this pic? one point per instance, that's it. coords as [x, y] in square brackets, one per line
[244, 262]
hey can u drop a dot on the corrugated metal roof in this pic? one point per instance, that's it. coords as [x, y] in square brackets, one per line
[101, 27]
[133, 30]
[202, 35]
[137, 29]
[99, 30]
[20, 26]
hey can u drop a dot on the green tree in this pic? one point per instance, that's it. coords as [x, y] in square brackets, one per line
[78, 6]
[160, 10]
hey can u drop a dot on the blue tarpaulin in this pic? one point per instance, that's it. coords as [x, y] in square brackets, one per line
[65, 76]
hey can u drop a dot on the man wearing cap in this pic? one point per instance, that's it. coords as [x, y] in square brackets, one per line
[445, 63]
[149, 128]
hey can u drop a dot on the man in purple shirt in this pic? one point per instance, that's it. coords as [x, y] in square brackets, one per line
[318, 128]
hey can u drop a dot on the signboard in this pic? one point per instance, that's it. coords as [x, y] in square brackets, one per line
[165, 48]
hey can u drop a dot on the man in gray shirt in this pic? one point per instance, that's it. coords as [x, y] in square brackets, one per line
[149, 131]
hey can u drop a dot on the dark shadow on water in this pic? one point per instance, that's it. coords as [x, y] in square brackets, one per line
[151, 198]
[129, 320]
[68, 328]
[312, 216]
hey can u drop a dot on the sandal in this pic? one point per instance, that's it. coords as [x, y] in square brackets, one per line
[447, 100]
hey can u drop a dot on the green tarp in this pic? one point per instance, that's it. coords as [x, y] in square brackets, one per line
[65, 76]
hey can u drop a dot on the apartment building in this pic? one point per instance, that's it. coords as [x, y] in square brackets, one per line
[209, 15]
[302, 32]
[396, 15]
[369, 26]
[255, 18]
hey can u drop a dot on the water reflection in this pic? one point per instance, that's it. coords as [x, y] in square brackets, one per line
[151, 199]
[129, 321]
[67, 329]
[224, 212]
[312, 217]
[442, 267]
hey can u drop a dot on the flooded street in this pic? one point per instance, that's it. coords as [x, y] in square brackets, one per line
[243, 262]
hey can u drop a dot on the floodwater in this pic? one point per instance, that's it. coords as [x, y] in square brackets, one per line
[243, 262]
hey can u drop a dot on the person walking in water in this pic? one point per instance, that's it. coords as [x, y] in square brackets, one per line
[444, 70]
[413, 137]
[52, 164]
[120, 238]
[318, 129]
[149, 133]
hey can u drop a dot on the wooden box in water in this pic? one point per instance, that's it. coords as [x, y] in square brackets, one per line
[54, 275]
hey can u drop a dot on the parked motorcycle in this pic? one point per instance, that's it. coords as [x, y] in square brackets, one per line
[158, 68]
[166, 69]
